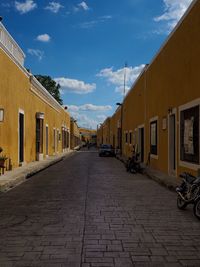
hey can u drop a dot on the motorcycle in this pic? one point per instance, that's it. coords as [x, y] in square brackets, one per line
[189, 193]
[133, 164]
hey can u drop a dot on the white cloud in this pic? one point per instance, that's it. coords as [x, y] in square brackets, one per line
[36, 52]
[43, 38]
[24, 7]
[173, 11]
[75, 86]
[84, 121]
[92, 23]
[54, 7]
[83, 6]
[117, 77]
[101, 117]
[89, 107]
[95, 114]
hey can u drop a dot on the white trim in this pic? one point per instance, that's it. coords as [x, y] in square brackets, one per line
[141, 126]
[11, 45]
[174, 112]
[135, 82]
[12, 39]
[11, 57]
[193, 103]
[40, 115]
[189, 165]
[40, 156]
[21, 111]
[43, 94]
[154, 119]
[153, 156]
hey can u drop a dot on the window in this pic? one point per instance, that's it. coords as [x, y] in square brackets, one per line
[153, 138]
[1, 114]
[39, 135]
[189, 135]
[130, 137]
[126, 137]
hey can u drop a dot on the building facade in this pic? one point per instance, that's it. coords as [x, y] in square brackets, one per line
[32, 123]
[88, 136]
[75, 137]
[161, 112]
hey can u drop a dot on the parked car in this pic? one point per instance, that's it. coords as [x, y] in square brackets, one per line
[106, 150]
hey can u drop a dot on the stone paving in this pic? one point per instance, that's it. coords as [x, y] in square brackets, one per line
[87, 211]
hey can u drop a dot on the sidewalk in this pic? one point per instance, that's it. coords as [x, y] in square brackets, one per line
[168, 181]
[17, 176]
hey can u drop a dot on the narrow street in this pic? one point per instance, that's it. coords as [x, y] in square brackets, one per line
[88, 211]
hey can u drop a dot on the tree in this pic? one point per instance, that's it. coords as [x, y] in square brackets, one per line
[51, 86]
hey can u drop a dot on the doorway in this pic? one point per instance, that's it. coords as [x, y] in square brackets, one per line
[21, 138]
[141, 143]
[54, 140]
[39, 138]
[47, 140]
[172, 144]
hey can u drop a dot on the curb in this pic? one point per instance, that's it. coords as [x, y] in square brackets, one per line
[10, 183]
[165, 183]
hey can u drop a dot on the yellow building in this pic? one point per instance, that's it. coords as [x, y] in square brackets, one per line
[161, 112]
[32, 123]
[103, 133]
[75, 137]
[88, 136]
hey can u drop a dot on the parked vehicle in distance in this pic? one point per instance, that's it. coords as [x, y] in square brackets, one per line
[106, 150]
[189, 193]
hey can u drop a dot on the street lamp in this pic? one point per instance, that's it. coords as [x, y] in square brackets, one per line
[121, 134]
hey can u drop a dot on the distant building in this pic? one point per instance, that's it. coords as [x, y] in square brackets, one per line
[75, 137]
[88, 136]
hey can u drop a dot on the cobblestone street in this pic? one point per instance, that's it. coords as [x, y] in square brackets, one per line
[88, 211]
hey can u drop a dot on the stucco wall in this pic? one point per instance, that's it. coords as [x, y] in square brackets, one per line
[15, 95]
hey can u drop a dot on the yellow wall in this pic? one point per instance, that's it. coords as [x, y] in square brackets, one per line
[170, 81]
[173, 79]
[106, 131]
[115, 123]
[75, 139]
[15, 95]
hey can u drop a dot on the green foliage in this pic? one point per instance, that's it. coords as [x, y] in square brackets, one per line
[51, 86]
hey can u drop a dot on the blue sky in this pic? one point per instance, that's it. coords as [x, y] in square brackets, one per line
[84, 45]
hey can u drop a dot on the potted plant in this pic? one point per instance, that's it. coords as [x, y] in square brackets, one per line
[3, 158]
